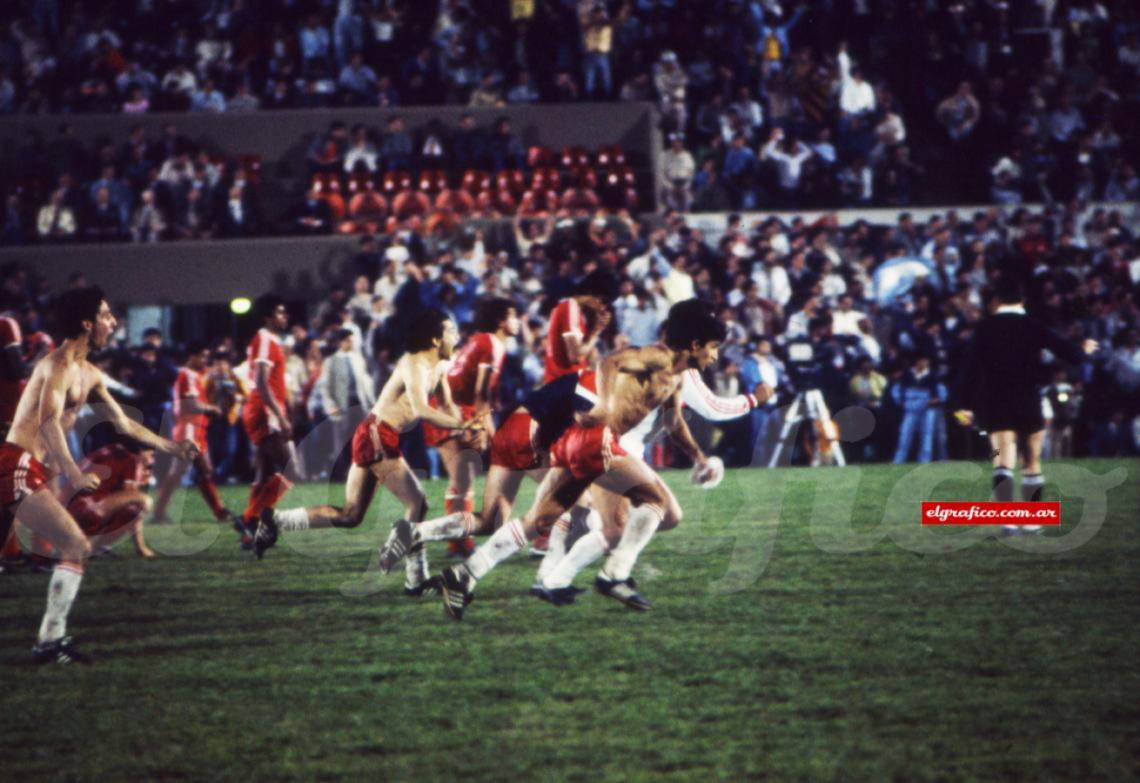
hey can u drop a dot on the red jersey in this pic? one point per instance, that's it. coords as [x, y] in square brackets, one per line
[265, 349]
[188, 384]
[9, 390]
[567, 318]
[482, 350]
[118, 468]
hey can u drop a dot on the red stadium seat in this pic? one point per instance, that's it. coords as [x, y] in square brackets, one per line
[475, 181]
[396, 182]
[360, 181]
[540, 157]
[612, 155]
[250, 163]
[433, 180]
[511, 180]
[574, 157]
[583, 177]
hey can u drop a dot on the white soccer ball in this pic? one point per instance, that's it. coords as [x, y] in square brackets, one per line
[710, 476]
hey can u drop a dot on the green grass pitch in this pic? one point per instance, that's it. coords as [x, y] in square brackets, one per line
[804, 628]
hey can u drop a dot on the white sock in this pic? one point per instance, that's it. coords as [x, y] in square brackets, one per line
[61, 593]
[643, 523]
[556, 549]
[503, 543]
[448, 528]
[292, 520]
[586, 550]
[416, 566]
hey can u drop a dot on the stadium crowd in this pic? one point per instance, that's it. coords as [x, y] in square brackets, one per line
[765, 104]
[876, 316]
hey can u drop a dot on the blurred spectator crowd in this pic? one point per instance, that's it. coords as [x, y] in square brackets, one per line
[874, 316]
[769, 104]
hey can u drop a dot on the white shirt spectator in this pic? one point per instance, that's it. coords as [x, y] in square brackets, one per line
[772, 284]
[855, 96]
[790, 166]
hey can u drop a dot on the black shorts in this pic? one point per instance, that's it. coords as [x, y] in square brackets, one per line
[1023, 418]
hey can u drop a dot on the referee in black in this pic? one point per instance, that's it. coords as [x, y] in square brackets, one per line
[1000, 389]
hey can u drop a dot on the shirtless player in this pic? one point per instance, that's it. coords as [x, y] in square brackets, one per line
[376, 457]
[632, 384]
[59, 386]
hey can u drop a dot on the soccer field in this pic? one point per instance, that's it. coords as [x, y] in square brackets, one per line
[804, 628]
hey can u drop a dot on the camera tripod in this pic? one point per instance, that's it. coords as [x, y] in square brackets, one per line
[808, 404]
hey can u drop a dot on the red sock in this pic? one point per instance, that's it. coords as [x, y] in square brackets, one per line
[267, 495]
[210, 493]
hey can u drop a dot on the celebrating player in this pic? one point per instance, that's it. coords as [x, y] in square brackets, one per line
[632, 384]
[191, 412]
[58, 388]
[265, 414]
[376, 457]
[1000, 391]
[473, 380]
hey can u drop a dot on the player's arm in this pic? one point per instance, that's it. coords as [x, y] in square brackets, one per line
[416, 380]
[125, 425]
[710, 407]
[52, 397]
[269, 400]
[677, 428]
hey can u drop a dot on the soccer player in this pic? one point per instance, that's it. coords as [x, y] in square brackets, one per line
[559, 567]
[13, 375]
[118, 504]
[59, 386]
[633, 383]
[1000, 390]
[576, 323]
[521, 448]
[191, 412]
[266, 412]
[376, 457]
[473, 380]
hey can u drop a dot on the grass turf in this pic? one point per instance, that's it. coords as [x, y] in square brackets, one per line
[800, 631]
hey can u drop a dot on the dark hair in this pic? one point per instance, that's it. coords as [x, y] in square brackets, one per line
[692, 320]
[74, 306]
[195, 347]
[492, 312]
[265, 306]
[1008, 289]
[600, 283]
[424, 328]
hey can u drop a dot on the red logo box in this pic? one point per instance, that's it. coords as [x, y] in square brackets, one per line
[945, 512]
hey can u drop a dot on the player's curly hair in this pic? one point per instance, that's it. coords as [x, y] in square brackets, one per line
[692, 320]
[491, 312]
[265, 306]
[592, 308]
[424, 328]
[74, 306]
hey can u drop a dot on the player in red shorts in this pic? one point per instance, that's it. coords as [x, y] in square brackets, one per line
[633, 383]
[191, 412]
[376, 457]
[473, 380]
[13, 375]
[576, 323]
[118, 505]
[59, 386]
[266, 411]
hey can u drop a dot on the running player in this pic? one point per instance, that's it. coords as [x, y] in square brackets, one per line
[376, 457]
[59, 386]
[632, 384]
[266, 412]
[473, 380]
[1001, 394]
[191, 412]
[119, 503]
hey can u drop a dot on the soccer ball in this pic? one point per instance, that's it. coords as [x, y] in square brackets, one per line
[710, 476]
